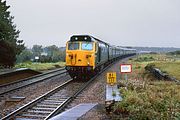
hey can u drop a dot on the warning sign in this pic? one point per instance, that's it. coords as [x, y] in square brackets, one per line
[111, 78]
[126, 68]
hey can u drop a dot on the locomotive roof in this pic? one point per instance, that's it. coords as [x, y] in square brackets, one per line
[80, 38]
[87, 38]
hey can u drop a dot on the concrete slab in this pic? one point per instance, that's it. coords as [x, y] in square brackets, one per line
[75, 112]
[110, 90]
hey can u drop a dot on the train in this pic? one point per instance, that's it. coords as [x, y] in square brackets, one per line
[87, 55]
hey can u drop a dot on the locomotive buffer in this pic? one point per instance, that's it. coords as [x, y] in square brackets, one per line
[112, 92]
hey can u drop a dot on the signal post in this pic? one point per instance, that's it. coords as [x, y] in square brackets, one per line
[112, 92]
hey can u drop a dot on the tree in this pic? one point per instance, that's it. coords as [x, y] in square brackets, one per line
[48, 54]
[62, 55]
[8, 37]
[55, 53]
[7, 55]
[37, 50]
[24, 56]
[52, 52]
[51, 49]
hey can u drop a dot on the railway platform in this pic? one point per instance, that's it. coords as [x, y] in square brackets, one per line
[16, 74]
[75, 112]
[2, 73]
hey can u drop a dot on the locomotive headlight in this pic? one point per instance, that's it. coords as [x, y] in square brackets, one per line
[87, 56]
[70, 56]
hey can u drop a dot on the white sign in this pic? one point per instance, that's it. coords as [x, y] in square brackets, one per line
[36, 57]
[125, 68]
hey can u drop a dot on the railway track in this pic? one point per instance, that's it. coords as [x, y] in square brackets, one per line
[31, 80]
[51, 103]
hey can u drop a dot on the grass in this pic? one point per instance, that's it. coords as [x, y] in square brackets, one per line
[154, 101]
[172, 68]
[165, 63]
[146, 97]
[40, 66]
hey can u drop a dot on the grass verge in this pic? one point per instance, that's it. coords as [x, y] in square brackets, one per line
[40, 66]
[147, 98]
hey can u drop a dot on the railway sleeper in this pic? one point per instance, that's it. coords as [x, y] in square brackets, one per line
[43, 109]
[57, 99]
[33, 116]
[54, 101]
[46, 106]
[51, 103]
[38, 112]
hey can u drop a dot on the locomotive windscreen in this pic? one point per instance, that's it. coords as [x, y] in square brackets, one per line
[81, 38]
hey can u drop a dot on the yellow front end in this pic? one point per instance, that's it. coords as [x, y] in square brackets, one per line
[78, 57]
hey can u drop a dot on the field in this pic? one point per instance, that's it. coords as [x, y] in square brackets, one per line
[40, 66]
[172, 68]
[166, 63]
[147, 97]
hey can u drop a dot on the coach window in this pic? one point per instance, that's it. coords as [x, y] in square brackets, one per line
[73, 46]
[87, 46]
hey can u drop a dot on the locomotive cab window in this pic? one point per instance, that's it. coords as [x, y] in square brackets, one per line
[73, 46]
[87, 46]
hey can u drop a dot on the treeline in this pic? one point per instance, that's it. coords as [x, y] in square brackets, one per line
[38, 53]
[10, 46]
[157, 49]
[12, 50]
[175, 52]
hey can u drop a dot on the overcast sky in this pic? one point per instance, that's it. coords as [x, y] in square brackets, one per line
[119, 22]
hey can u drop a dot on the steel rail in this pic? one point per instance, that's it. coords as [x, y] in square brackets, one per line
[58, 108]
[38, 78]
[68, 100]
[21, 80]
[32, 103]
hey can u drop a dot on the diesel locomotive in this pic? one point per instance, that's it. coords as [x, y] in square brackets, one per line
[87, 55]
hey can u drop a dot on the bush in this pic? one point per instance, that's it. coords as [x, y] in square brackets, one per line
[157, 101]
[144, 59]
